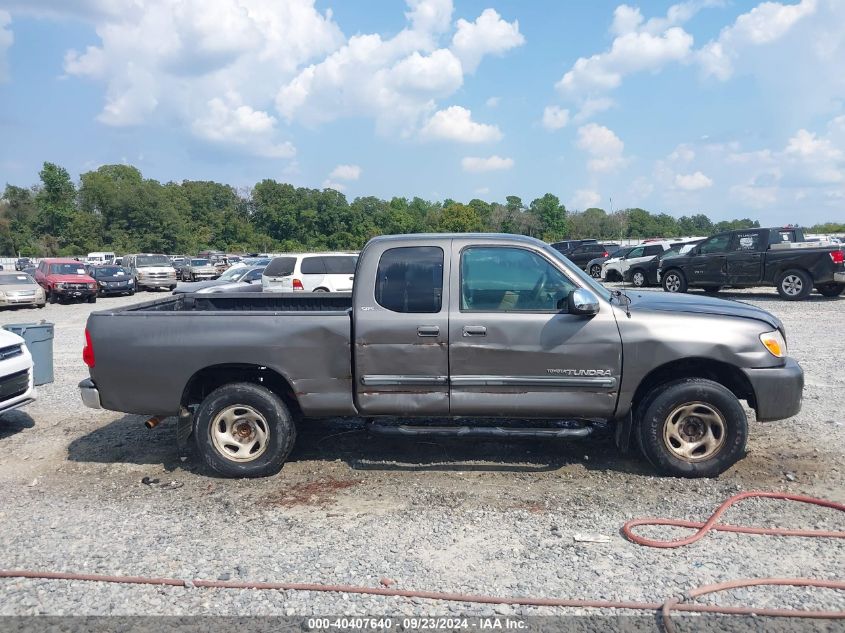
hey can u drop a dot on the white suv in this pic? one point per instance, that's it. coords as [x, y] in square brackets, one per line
[614, 268]
[310, 272]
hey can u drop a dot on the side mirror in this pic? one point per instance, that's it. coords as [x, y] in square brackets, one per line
[582, 302]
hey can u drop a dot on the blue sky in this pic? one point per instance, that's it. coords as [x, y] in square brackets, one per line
[732, 108]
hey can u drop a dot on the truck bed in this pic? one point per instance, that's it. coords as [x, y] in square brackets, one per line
[303, 338]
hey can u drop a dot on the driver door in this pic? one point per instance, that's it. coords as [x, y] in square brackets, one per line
[709, 266]
[512, 345]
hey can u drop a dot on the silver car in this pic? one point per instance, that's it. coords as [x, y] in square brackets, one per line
[20, 289]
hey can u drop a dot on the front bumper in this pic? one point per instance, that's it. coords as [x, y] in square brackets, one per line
[74, 293]
[777, 390]
[90, 394]
[117, 290]
[11, 300]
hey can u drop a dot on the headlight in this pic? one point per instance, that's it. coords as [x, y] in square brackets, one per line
[774, 342]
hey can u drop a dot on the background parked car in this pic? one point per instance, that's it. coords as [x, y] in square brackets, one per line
[311, 272]
[242, 274]
[113, 280]
[20, 289]
[646, 273]
[615, 267]
[151, 270]
[594, 265]
[566, 246]
[101, 257]
[23, 262]
[65, 280]
[199, 270]
[585, 253]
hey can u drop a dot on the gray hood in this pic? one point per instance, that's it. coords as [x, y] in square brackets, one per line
[700, 304]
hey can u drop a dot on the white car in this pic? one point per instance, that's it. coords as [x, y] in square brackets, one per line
[310, 272]
[614, 268]
[16, 386]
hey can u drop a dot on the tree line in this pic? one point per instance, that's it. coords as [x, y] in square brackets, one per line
[115, 208]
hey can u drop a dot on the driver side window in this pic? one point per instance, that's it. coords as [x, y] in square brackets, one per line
[503, 279]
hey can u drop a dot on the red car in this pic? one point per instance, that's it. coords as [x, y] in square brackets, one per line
[65, 280]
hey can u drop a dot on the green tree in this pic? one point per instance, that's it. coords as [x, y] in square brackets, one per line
[550, 216]
[459, 218]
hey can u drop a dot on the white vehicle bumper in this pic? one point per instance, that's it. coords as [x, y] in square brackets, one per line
[16, 385]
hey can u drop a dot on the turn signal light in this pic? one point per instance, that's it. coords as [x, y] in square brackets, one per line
[838, 257]
[774, 342]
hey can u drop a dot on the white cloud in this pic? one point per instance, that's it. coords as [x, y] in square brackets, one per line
[329, 184]
[492, 102]
[585, 198]
[230, 123]
[396, 81]
[7, 38]
[591, 107]
[346, 172]
[693, 182]
[476, 164]
[455, 124]
[555, 117]
[683, 153]
[601, 143]
[489, 34]
[764, 24]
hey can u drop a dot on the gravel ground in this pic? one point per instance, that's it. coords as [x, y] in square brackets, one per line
[440, 515]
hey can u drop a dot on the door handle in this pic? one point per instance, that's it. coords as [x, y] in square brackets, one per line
[475, 330]
[428, 330]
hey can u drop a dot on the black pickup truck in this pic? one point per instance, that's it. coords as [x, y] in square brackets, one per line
[746, 258]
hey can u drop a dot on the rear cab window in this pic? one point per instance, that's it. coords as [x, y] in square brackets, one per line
[410, 279]
[746, 242]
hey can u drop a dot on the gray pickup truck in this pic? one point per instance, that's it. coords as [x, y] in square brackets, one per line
[449, 326]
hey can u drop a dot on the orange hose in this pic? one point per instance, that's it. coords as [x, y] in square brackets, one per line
[666, 607]
[710, 524]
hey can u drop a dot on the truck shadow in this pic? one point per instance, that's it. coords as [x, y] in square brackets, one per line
[127, 441]
[13, 422]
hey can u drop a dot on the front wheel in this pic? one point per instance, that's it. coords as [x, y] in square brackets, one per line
[830, 290]
[794, 285]
[692, 427]
[92, 299]
[674, 281]
[52, 297]
[244, 430]
[595, 271]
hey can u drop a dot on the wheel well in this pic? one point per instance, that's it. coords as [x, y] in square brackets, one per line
[207, 380]
[726, 375]
[675, 269]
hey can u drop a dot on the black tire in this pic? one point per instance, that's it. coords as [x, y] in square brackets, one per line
[638, 278]
[673, 280]
[707, 399]
[280, 430]
[171, 288]
[595, 271]
[794, 285]
[321, 289]
[830, 290]
[712, 290]
[131, 292]
[92, 299]
[52, 297]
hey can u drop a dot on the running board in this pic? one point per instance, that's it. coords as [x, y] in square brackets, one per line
[475, 431]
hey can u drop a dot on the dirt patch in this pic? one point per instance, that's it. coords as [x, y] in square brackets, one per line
[320, 493]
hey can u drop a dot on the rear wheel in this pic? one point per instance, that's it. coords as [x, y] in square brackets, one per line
[794, 285]
[244, 430]
[674, 281]
[595, 271]
[830, 290]
[693, 427]
[638, 278]
[321, 289]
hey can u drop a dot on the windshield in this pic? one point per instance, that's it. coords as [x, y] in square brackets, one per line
[14, 280]
[67, 269]
[109, 271]
[143, 261]
[588, 281]
[199, 262]
[233, 274]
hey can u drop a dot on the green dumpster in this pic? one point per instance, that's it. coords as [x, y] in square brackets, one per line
[39, 341]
